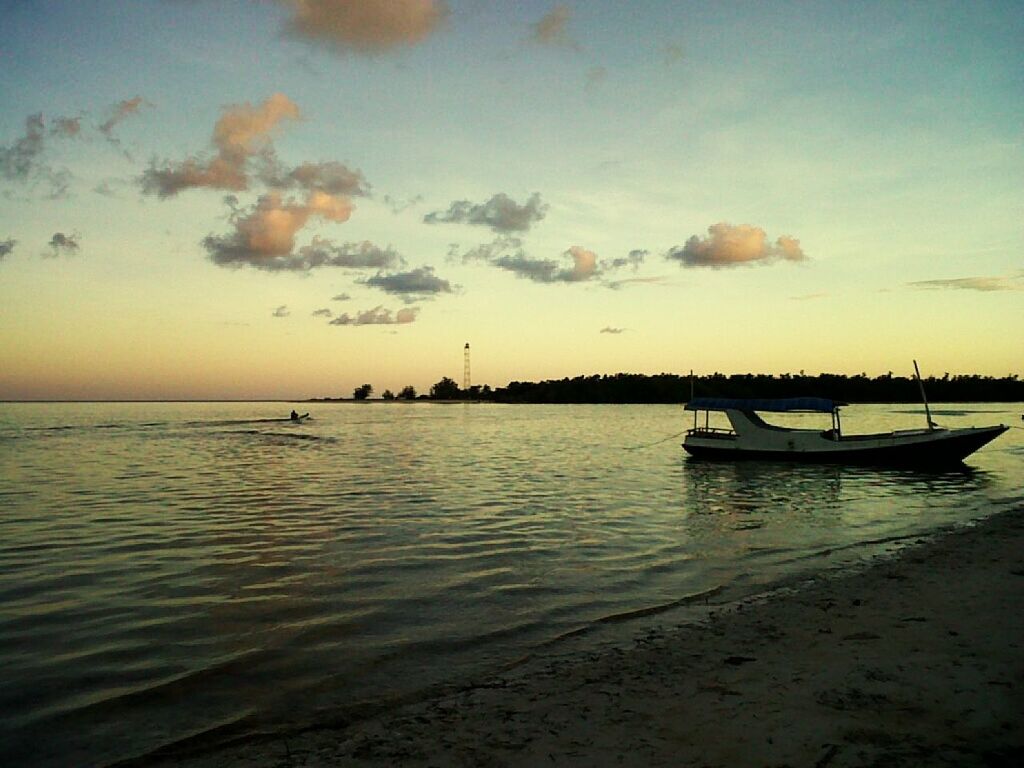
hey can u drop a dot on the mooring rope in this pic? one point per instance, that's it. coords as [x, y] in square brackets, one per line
[656, 442]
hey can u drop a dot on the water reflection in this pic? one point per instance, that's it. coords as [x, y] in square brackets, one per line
[746, 488]
[746, 519]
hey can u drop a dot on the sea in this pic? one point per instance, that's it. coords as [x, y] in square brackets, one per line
[175, 577]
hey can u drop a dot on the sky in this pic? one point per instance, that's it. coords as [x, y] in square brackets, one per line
[248, 199]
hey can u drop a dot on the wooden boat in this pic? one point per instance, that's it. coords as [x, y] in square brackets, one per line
[753, 438]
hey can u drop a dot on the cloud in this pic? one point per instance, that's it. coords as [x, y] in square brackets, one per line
[265, 236]
[332, 177]
[507, 253]
[809, 296]
[66, 126]
[397, 206]
[22, 160]
[18, 160]
[633, 259]
[281, 311]
[7, 247]
[324, 253]
[584, 266]
[378, 316]
[341, 297]
[655, 280]
[364, 26]
[61, 244]
[609, 329]
[420, 283]
[60, 182]
[551, 29]
[727, 246]
[504, 245]
[972, 284]
[192, 173]
[521, 265]
[242, 131]
[322, 312]
[120, 111]
[501, 213]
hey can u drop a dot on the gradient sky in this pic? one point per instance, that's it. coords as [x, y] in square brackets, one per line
[289, 198]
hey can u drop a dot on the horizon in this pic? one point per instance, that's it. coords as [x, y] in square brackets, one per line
[238, 202]
[377, 394]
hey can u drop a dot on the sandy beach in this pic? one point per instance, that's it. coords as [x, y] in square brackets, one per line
[916, 660]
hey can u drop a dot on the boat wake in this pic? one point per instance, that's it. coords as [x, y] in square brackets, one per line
[281, 437]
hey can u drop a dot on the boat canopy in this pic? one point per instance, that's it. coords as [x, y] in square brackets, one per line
[772, 405]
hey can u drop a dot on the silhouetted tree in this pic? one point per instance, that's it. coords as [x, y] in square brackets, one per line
[445, 389]
[388, 395]
[671, 388]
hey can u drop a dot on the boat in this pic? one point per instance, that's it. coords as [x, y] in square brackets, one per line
[751, 437]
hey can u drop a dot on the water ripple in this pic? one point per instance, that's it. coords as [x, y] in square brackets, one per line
[175, 576]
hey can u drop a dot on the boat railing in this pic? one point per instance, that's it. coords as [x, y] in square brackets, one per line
[711, 431]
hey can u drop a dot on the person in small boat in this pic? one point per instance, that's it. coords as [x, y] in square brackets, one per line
[294, 416]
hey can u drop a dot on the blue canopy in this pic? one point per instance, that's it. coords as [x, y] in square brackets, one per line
[775, 405]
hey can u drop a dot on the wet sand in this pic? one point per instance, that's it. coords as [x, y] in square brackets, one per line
[917, 660]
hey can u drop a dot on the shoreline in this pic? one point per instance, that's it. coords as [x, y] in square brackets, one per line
[426, 399]
[916, 659]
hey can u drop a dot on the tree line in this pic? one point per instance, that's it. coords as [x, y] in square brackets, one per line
[445, 389]
[673, 388]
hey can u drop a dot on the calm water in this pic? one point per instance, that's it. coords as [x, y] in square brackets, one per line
[188, 573]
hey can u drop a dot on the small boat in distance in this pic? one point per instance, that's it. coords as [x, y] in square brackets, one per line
[753, 438]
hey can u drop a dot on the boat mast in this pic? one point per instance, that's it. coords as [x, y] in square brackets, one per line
[691, 399]
[924, 399]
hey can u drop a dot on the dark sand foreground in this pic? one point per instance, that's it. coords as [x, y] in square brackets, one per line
[915, 661]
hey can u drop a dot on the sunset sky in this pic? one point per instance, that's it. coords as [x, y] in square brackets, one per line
[289, 198]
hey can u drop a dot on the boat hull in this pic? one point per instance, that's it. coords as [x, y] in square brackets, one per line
[925, 449]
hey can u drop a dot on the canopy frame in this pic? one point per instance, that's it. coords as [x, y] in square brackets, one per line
[768, 405]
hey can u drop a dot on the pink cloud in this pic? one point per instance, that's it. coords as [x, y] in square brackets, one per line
[242, 131]
[584, 264]
[270, 229]
[551, 29]
[365, 26]
[727, 245]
